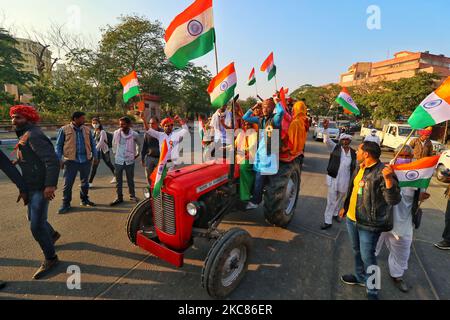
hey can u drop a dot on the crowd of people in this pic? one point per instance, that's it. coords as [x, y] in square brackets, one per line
[361, 189]
[378, 212]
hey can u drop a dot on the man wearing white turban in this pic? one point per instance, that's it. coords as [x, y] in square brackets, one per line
[340, 167]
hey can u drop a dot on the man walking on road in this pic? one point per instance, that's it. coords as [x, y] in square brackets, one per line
[126, 150]
[14, 175]
[340, 168]
[373, 193]
[76, 149]
[40, 168]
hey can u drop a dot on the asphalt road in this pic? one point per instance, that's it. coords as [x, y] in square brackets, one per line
[300, 262]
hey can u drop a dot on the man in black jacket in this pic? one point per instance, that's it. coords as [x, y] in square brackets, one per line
[151, 151]
[40, 169]
[14, 175]
[373, 193]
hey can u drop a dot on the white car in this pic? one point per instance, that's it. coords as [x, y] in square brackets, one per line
[333, 131]
[443, 166]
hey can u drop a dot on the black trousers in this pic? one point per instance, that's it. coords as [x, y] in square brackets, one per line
[107, 158]
[446, 234]
[129, 171]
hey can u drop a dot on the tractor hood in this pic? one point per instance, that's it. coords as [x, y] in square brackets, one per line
[196, 180]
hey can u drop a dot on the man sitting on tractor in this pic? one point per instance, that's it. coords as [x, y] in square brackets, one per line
[267, 124]
[172, 138]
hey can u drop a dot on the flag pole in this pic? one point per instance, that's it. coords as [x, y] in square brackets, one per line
[276, 83]
[216, 54]
[404, 145]
[256, 88]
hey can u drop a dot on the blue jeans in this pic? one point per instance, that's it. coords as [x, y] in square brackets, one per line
[40, 228]
[71, 170]
[364, 245]
[258, 189]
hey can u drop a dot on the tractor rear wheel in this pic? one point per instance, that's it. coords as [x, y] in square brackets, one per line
[140, 219]
[227, 263]
[282, 192]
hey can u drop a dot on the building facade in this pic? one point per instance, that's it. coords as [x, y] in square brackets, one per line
[29, 50]
[405, 64]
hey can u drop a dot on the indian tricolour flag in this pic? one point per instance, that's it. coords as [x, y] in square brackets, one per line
[221, 89]
[252, 78]
[191, 35]
[434, 109]
[269, 67]
[162, 170]
[346, 101]
[130, 85]
[417, 174]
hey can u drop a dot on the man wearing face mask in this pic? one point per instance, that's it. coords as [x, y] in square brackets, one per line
[399, 240]
[373, 137]
[340, 167]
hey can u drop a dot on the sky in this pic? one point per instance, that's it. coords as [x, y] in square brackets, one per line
[313, 41]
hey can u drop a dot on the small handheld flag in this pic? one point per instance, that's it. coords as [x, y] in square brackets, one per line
[130, 85]
[417, 174]
[269, 67]
[345, 100]
[222, 87]
[252, 78]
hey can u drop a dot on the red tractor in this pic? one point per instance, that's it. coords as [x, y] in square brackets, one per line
[192, 204]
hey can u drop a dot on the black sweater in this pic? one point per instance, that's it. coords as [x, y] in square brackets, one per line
[12, 173]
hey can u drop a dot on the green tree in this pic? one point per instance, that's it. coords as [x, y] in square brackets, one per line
[11, 64]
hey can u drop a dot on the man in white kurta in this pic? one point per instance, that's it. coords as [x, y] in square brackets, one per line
[399, 240]
[373, 137]
[337, 187]
[172, 138]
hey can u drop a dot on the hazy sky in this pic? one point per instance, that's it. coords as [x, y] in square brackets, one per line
[313, 40]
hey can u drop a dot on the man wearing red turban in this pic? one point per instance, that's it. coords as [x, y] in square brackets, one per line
[422, 146]
[40, 169]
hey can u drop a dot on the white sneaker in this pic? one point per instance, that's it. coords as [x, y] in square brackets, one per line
[113, 181]
[91, 185]
[252, 206]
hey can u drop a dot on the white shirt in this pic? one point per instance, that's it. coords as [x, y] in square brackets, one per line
[122, 156]
[173, 140]
[220, 132]
[375, 139]
[103, 142]
[342, 182]
[403, 219]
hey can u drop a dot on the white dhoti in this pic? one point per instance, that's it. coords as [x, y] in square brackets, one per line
[335, 202]
[399, 253]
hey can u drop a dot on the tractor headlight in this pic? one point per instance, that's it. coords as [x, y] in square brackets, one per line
[192, 209]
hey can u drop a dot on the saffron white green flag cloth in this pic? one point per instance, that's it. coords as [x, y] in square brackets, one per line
[434, 109]
[162, 170]
[417, 174]
[252, 78]
[191, 34]
[269, 67]
[346, 101]
[222, 87]
[130, 85]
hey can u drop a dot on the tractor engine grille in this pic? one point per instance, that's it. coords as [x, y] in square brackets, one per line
[164, 213]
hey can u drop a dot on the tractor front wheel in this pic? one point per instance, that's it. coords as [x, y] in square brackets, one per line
[282, 192]
[140, 219]
[227, 263]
